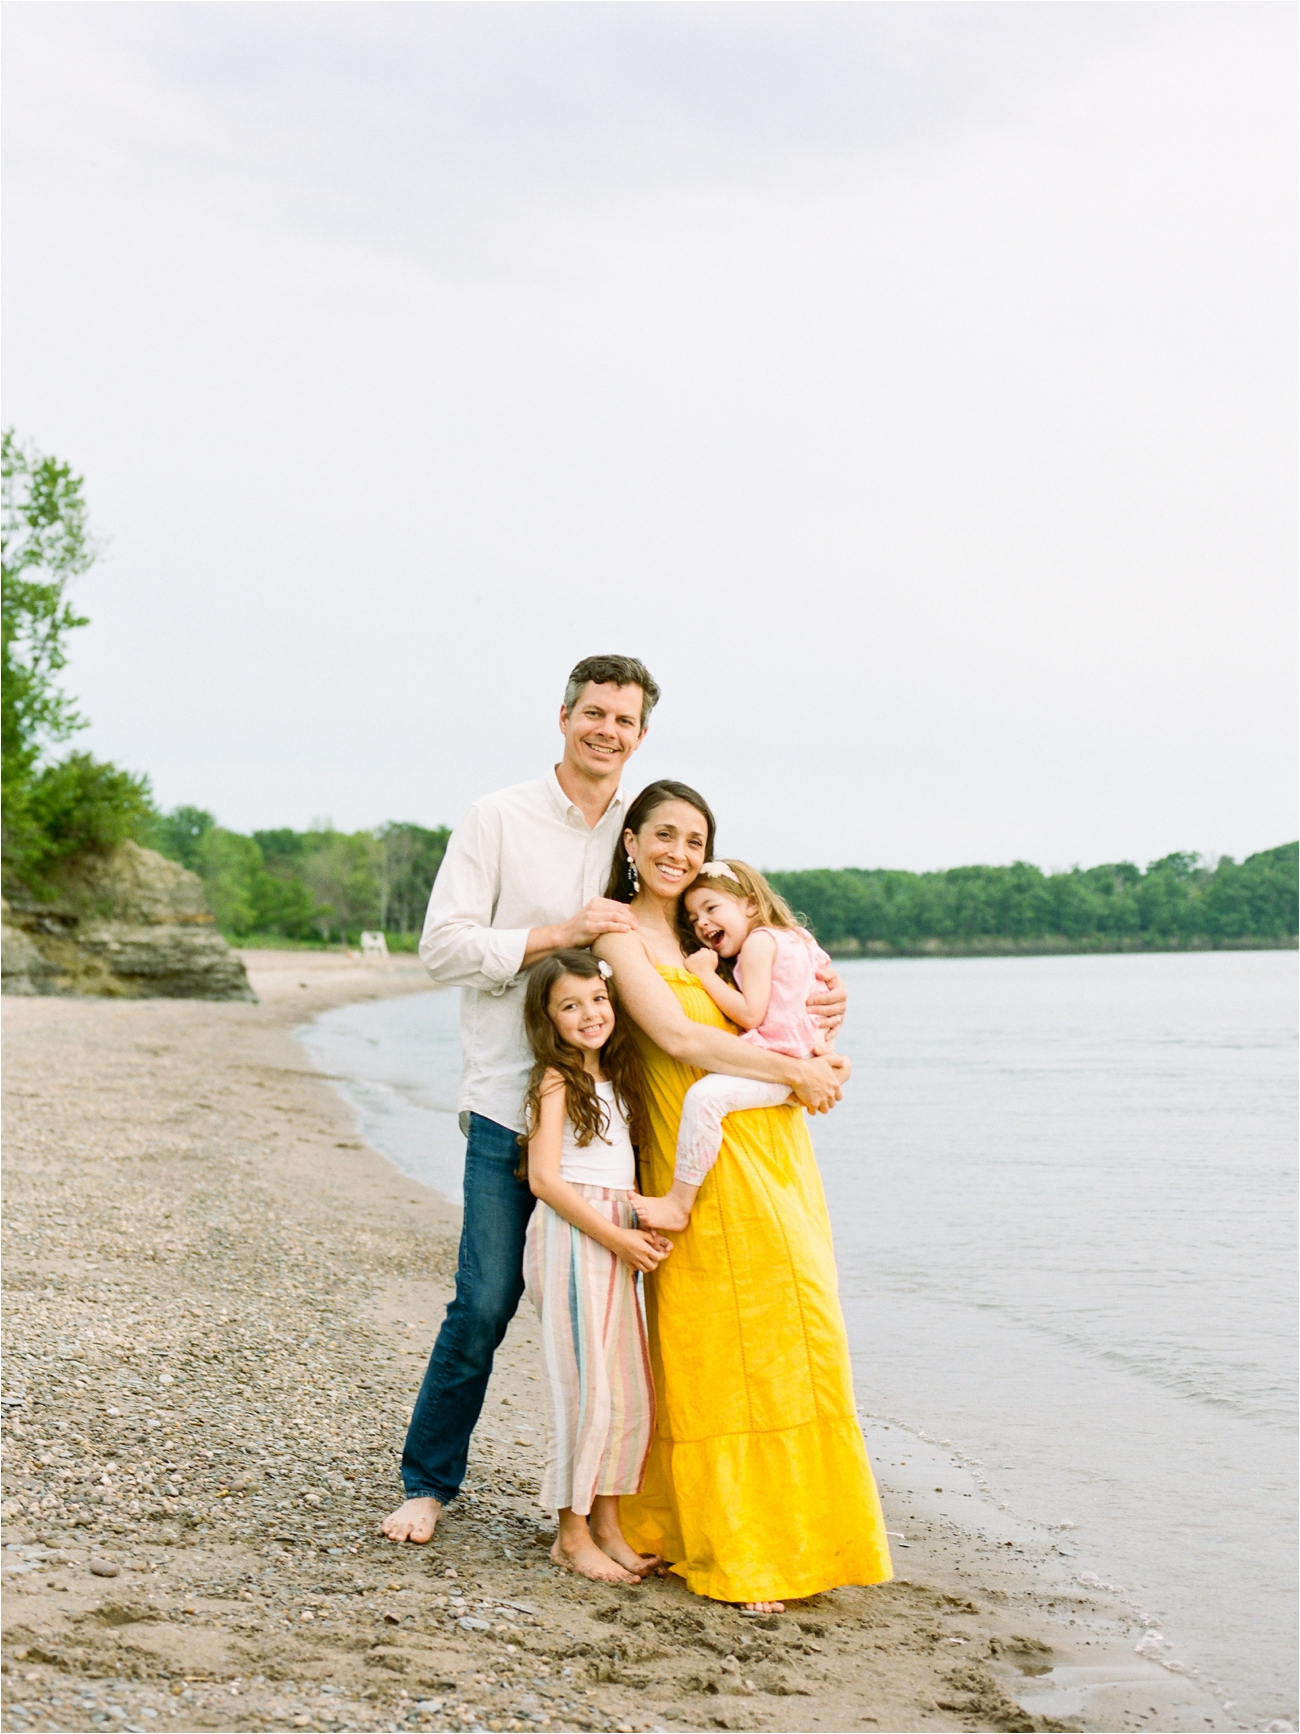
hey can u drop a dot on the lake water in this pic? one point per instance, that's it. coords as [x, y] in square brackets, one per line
[1063, 1192]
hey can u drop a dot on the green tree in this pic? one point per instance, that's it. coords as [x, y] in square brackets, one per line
[342, 874]
[180, 835]
[52, 812]
[46, 543]
[409, 859]
[229, 865]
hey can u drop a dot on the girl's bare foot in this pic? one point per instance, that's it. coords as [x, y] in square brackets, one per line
[414, 1520]
[581, 1554]
[763, 1608]
[612, 1543]
[662, 1213]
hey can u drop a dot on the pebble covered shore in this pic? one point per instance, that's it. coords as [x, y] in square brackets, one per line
[219, 1305]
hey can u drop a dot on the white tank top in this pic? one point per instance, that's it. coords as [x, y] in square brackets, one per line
[603, 1162]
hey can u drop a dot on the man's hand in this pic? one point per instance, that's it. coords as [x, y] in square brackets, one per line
[821, 1082]
[703, 962]
[828, 1006]
[601, 915]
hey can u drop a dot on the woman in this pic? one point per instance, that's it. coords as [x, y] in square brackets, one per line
[758, 1485]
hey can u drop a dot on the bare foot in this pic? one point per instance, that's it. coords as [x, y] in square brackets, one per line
[584, 1557]
[414, 1520]
[611, 1543]
[763, 1608]
[660, 1213]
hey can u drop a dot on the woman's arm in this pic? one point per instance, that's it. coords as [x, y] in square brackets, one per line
[639, 1247]
[651, 1003]
[745, 1006]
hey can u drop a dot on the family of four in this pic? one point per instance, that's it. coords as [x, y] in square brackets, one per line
[700, 1415]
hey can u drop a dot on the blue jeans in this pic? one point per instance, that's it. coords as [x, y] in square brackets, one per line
[489, 1283]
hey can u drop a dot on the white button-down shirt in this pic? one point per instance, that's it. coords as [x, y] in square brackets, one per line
[522, 858]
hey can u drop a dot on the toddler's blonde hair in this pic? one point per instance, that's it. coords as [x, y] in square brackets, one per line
[744, 883]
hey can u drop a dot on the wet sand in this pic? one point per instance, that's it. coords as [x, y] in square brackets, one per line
[220, 1303]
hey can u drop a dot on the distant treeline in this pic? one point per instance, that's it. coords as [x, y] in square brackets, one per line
[1180, 901]
[305, 885]
[329, 885]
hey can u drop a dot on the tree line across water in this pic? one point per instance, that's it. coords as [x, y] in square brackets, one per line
[325, 885]
[1178, 901]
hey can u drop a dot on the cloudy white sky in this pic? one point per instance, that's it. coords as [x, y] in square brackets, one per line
[911, 385]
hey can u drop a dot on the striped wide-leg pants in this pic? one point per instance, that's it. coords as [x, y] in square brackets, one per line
[600, 1397]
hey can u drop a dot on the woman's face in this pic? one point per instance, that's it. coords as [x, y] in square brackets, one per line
[668, 850]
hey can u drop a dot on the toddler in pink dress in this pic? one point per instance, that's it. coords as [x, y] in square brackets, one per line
[735, 913]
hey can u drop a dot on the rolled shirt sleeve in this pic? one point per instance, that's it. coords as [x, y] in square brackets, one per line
[521, 858]
[459, 946]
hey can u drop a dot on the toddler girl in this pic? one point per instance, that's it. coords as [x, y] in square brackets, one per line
[735, 913]
[581, 1256]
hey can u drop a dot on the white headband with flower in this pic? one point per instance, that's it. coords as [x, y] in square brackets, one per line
[717, 870]
[604, 969]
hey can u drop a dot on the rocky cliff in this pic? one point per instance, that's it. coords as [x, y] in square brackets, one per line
[128, 924]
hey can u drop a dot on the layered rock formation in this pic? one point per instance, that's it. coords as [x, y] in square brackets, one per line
[129, 924]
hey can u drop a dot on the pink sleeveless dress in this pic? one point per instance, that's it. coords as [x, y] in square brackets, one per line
[788, 1028]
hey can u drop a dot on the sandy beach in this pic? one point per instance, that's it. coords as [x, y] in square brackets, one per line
[219, 1306]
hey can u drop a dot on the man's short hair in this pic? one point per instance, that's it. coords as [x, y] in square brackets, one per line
[613, 671]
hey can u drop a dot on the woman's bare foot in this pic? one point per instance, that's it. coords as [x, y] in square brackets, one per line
[414, 1520]
[662, 1213]
[581, 1554]
[763, 1608]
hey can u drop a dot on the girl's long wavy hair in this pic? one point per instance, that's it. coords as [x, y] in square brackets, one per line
[619, 1059]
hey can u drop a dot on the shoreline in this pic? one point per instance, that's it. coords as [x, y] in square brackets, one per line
[1048, 946]
[221, 1306]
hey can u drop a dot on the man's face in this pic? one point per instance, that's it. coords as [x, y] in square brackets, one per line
[603, 729]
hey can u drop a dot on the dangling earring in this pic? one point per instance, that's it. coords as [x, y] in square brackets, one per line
[632, 876]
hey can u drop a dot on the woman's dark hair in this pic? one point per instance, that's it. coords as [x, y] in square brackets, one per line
[638, 814]
[619, 1059]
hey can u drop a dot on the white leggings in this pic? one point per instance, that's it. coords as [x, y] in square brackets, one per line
[708, 1102]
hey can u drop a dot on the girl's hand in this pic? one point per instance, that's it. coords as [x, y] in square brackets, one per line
[703, 962]
[642, 1248]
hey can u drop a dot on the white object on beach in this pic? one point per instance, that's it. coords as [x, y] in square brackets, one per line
[374, 945]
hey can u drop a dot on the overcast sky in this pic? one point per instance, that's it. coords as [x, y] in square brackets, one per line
[912, 386]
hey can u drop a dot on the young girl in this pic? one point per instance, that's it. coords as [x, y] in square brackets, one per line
[734, 913]
[581, 1256]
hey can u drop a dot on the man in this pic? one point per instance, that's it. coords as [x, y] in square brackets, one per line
[522, 878]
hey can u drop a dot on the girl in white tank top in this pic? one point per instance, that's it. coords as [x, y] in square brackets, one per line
[581, 1258]
[608, 1160]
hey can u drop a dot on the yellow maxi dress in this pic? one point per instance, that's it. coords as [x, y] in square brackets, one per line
[758, 1486]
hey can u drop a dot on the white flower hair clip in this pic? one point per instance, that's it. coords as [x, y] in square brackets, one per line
[604, 969]
[717, 870]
